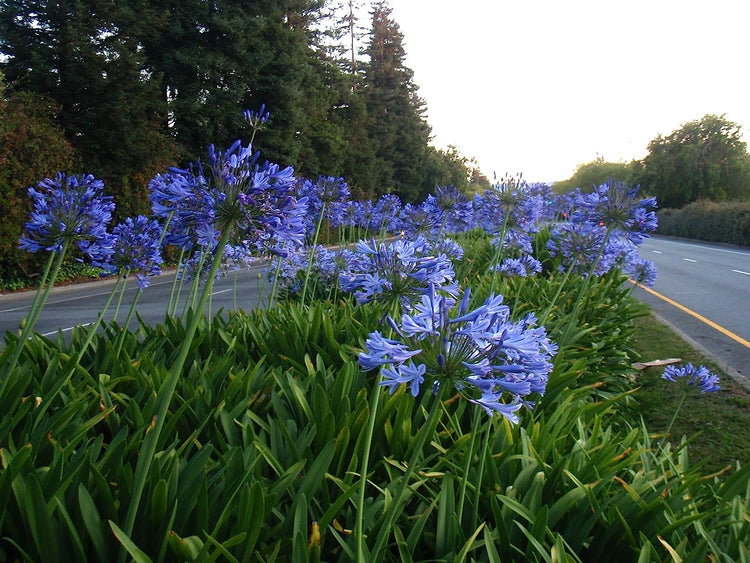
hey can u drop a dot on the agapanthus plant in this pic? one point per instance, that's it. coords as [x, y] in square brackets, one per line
[397, 273]
[70, 210]
[136, 250]
[524, 266]
[453, 211]
[486, 357]
[694, 378]
[234, 200]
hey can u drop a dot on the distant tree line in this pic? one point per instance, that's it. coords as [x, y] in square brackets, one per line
[141, 85]
[122, 90]
[704, 160]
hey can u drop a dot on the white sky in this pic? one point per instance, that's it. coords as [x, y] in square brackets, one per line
[540, 86]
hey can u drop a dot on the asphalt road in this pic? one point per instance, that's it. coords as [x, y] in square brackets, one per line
[709, 281]
[71, 305]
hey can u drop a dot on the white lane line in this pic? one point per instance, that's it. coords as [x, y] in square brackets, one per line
[689, 260]
[705, 247]
[50, 333]
[222, 291]
[657, 252]
[741, 272]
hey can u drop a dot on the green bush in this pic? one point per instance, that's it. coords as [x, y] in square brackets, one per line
[32, 147]
[727, 222]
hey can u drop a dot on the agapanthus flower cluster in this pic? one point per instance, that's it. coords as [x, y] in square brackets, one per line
[486, 357]
[419, 220]
[254, 202]
[399, 271]
[514, 241]
[544, 194]
[579, 244]
[707, 382]
[70, 210]
[452, 209]
[327, 265]
[387, 211]
[257, 118]
[604, 231]
[136, 250]
[327, 191]
[449, 247]
[509, 204]
[617, 207]
[524, 266]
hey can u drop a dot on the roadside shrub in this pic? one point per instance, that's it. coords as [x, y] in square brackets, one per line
[727, 222]
[32, 146]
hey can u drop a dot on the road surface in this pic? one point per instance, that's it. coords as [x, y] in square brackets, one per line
[71, 305]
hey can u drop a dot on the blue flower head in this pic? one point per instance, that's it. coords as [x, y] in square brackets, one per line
[137, 249]
[707, 382]
[401, 271]
[489, 359]
[255, 202]
[70, 209]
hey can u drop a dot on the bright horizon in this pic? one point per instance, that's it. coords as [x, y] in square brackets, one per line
[541, 87]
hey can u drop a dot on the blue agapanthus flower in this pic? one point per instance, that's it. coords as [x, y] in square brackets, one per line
[640, 270]
[399, 271]
[326, 268]
[707, 382]
[486, 357]
[257, 118]
[137, 249]
[524, 266]
[509, 204]
[327, 191]
[453, 210]
[617, 207]
[419, 220]
[72, 210]
[579, 245]
[255, 202]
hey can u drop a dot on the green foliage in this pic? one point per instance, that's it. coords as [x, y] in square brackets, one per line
[32, 146]
[259, 455]
[597, 172]
[727, 221]
[716, 423]
[704, 159]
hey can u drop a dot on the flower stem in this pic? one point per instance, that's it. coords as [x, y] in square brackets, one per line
[358, 531]
[54, 263]
[312, 253]
[174, 297]
[165, 394]
[676, 412]
[121, 336]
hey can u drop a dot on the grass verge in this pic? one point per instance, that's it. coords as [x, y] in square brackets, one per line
[718, 424]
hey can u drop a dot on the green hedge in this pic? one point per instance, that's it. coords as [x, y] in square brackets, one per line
[705, 220]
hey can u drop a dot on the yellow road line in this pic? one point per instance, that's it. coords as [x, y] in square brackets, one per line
[701, 318]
